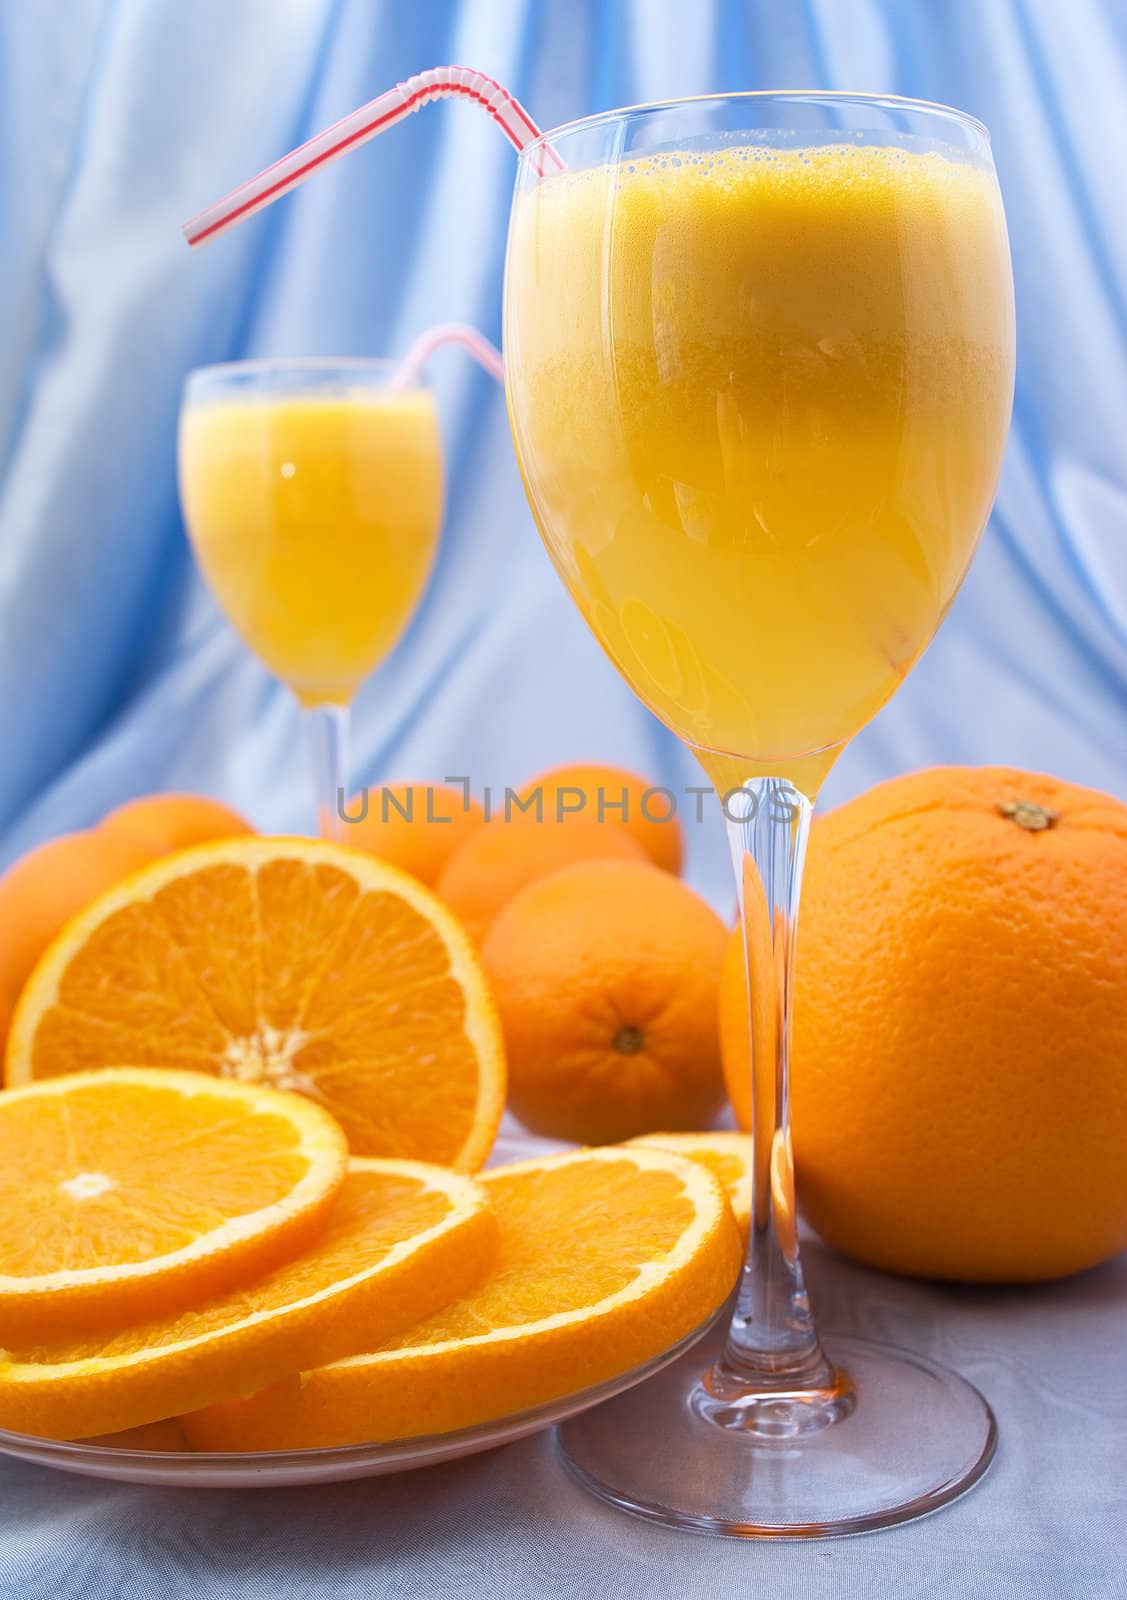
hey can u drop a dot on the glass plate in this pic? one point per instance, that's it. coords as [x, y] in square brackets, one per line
[275, 1469]
[272, 1469]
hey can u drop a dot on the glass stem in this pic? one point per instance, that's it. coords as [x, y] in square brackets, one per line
[773, 1377]
[328, 730]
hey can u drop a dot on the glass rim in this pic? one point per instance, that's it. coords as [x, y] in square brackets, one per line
[265, 366]
[896, 102]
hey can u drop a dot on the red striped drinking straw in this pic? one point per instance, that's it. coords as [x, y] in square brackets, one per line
[460, 334]
[439, 83]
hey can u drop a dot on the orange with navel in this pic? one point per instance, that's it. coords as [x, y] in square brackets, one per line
[508, 854]
[612, 794]
[167, 822]
[959, 1096]
[605, 975]
[42, 891]
[415, 826]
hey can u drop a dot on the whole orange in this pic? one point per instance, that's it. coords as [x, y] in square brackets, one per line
[51, 884]
[501, 858]
[611, 794]
[43, 890]
[169, 822]
[416, 826]
[959, 1092]
[605, 975]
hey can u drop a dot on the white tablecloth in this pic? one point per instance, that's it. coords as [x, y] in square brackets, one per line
[1047, 1523]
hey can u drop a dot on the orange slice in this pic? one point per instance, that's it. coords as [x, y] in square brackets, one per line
[402, 1240]
[728, 1155]
[608, 1257]
[130, 1192]
[282, 961]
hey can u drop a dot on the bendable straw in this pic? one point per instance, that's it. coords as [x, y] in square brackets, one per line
[439, 83]
[457, 333]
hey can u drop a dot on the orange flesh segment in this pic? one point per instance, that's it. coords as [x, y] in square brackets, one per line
[124, 1191]
[729, 1155]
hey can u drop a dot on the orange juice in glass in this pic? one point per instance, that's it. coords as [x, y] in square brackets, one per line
[759, 397]
[313, 496]
[759, 360]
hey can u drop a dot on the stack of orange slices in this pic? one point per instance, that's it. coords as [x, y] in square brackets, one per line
[606, 1258]
[251, 1208]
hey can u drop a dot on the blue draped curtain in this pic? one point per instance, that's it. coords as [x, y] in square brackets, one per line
[118, 118]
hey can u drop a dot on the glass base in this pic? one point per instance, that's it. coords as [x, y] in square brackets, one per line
[917, 1438]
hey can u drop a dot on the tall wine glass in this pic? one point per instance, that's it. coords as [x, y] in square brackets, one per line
[312, 491]
[759, 354]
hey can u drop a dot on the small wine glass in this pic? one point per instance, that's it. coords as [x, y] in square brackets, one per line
[313, 495]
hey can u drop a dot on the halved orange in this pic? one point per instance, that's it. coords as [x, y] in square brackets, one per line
[283, 961]
[402, 1240]
[728, 1155]
[608, 1258]
[133, 1191]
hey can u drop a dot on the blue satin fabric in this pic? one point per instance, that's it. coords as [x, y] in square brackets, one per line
[119, 118]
